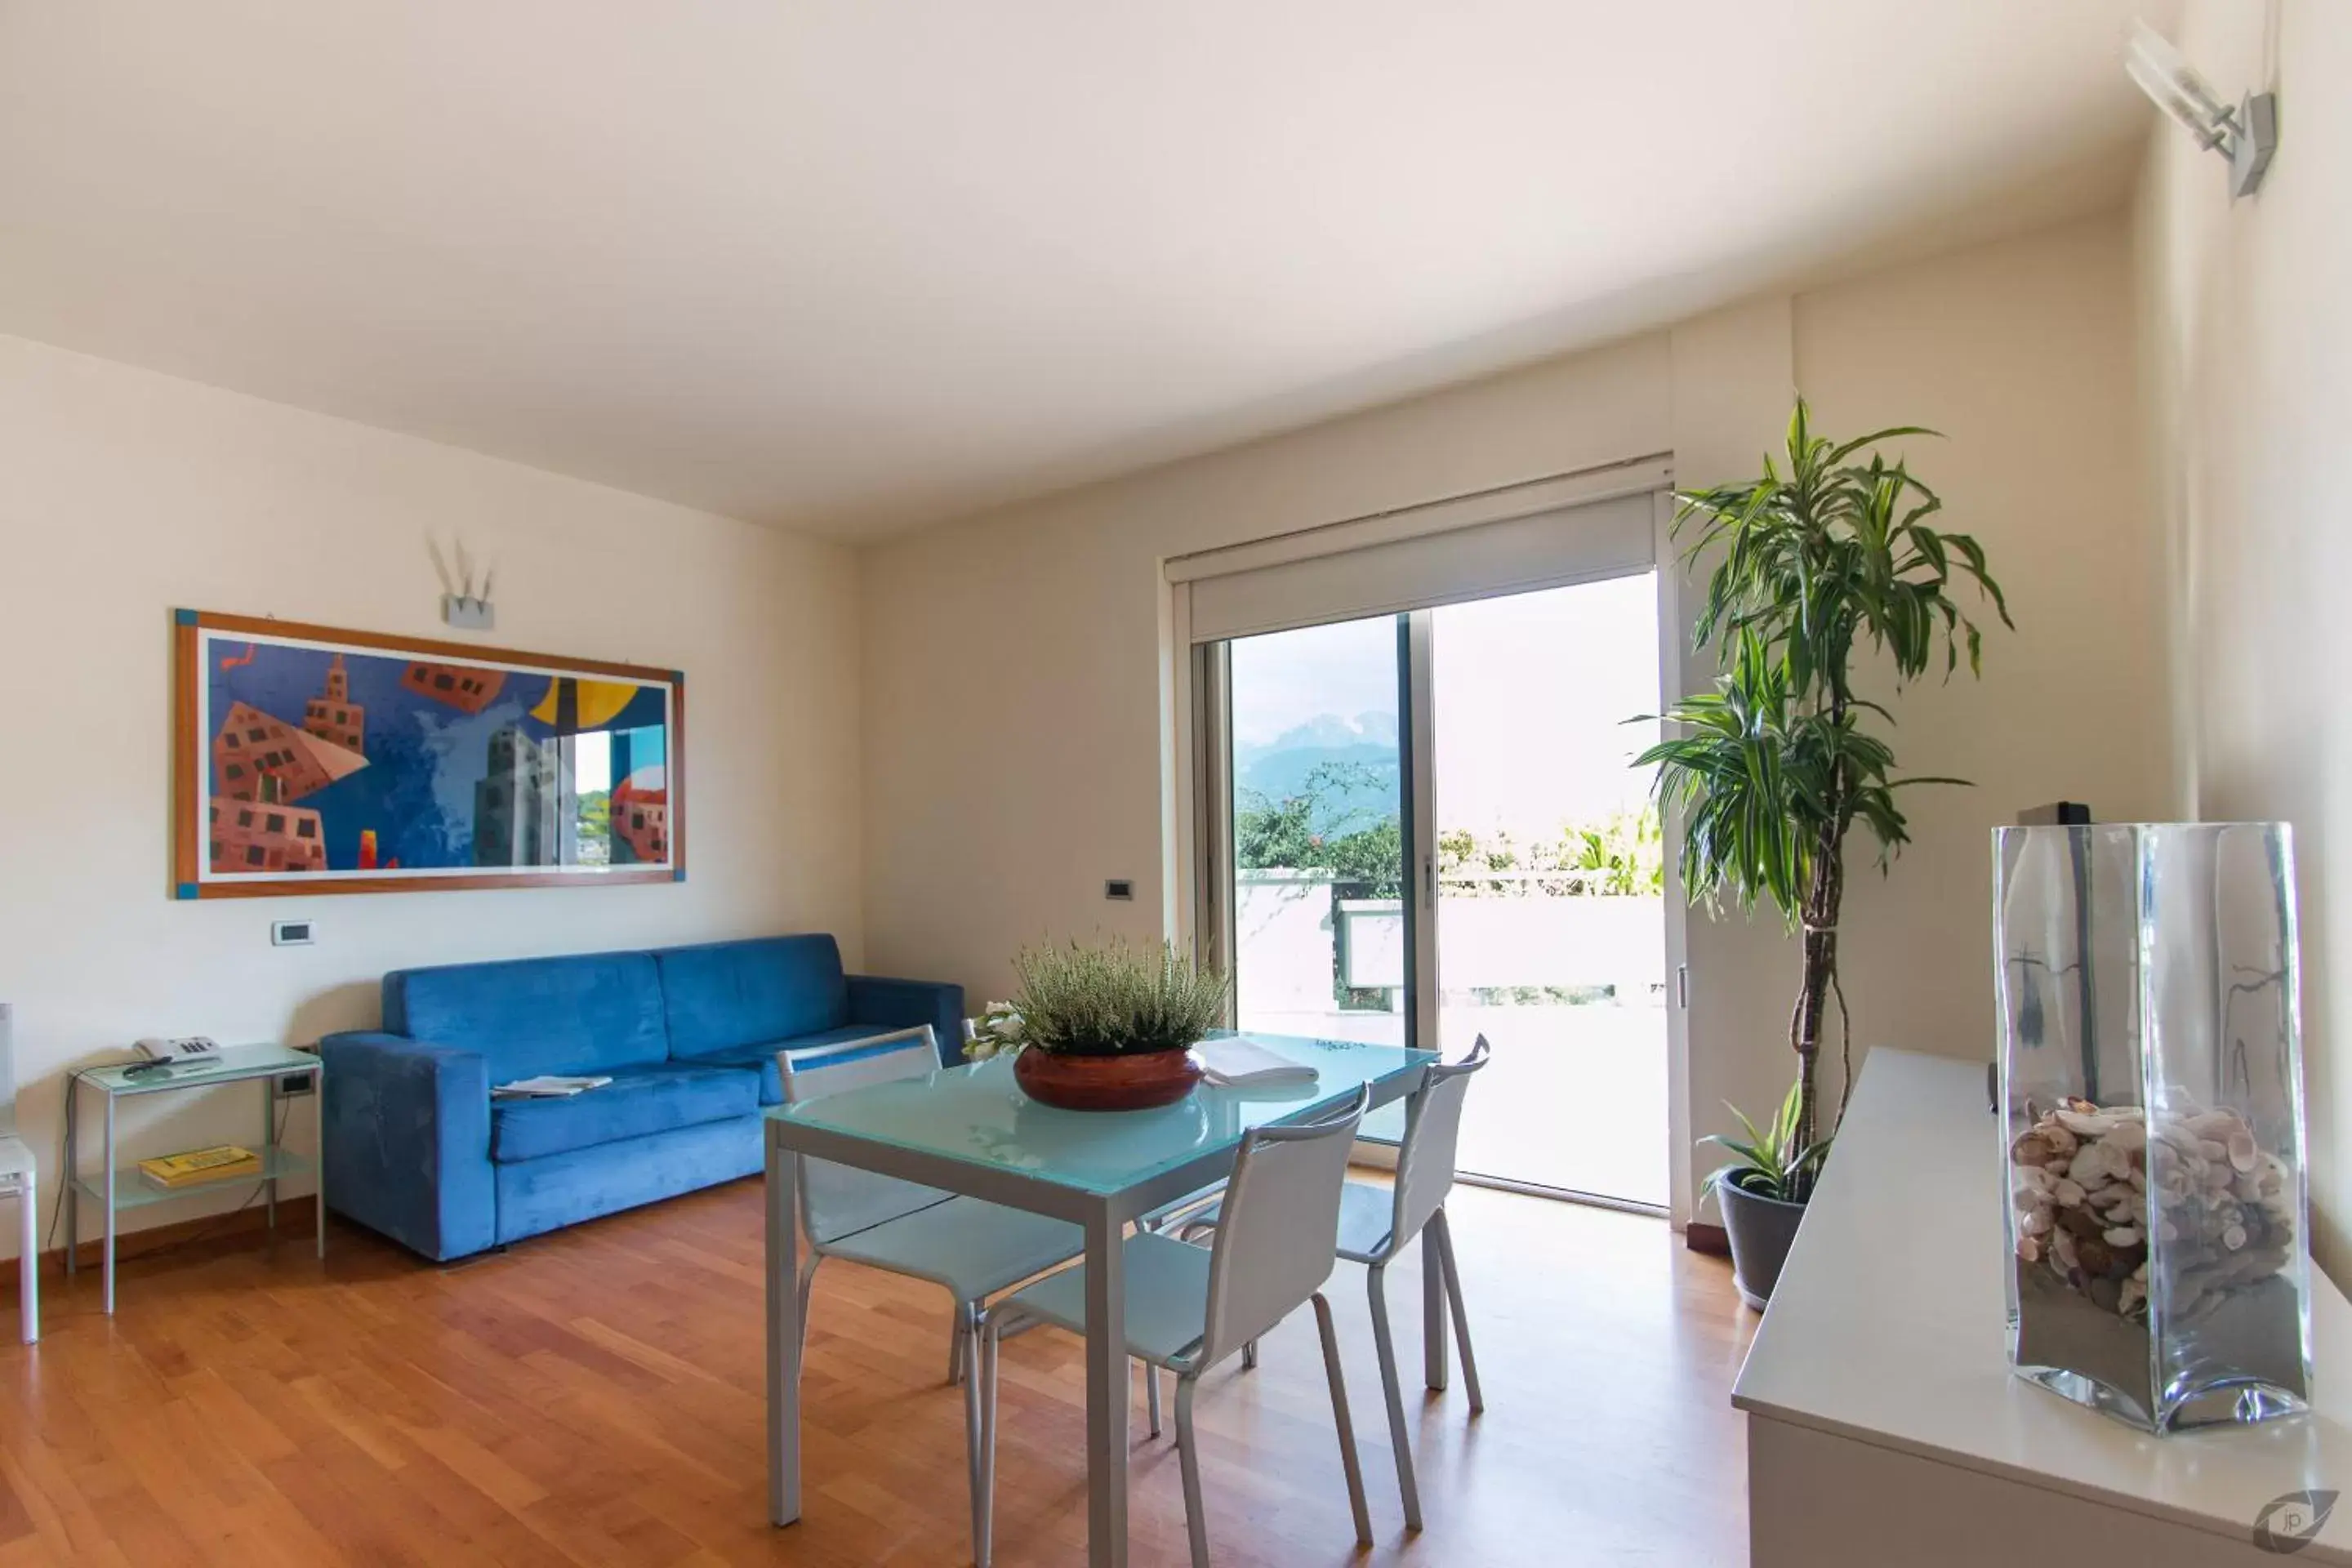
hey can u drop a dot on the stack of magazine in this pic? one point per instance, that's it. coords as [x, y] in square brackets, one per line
[221, 1163]
[546, 1085]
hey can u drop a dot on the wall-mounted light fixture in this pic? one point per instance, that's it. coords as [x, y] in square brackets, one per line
[2246, 136]
[465, 602]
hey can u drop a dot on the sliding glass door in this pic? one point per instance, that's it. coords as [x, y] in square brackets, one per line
[1424, 827]
[1318, 869]
[1549, 885]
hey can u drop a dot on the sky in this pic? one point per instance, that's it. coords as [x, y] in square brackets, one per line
[1531, 693]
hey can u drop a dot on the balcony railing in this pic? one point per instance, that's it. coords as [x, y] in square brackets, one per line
[1297, 937]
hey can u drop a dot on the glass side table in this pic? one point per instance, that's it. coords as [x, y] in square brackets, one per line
[114, 1188]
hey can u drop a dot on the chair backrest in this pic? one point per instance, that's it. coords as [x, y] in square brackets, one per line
[1432, 1131]
[835, 1200]
[8, 1069]
[1278, 1235]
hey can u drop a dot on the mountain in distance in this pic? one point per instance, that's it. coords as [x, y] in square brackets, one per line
[1329, 729]
[1275, 769]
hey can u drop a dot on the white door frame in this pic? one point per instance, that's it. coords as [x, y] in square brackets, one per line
[1679, 1197]
[1421, 852]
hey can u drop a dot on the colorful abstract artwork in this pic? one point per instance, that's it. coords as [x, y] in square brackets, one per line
[314, 760]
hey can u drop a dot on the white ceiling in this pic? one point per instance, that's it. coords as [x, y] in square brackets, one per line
[855, 265]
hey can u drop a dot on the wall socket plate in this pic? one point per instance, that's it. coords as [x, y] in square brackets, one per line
[293, 933]
[1120, 889]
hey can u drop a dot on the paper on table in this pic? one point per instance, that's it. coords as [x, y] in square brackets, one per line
[1236, 1063]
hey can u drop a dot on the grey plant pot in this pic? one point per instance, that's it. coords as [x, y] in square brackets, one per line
[1761, 1230]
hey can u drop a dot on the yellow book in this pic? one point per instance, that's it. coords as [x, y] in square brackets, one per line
[221, 1163]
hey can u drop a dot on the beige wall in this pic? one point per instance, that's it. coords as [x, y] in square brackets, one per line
[127, 493]
[2021, 354]
[1014, 664]
[1014, 737]
[2247, 315]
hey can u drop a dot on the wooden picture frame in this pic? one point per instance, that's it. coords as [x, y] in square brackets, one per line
[311, 759]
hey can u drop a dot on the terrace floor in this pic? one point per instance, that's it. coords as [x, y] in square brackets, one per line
[1575, 1097]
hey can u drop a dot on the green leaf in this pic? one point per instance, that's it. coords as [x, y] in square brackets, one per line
[1825, 568]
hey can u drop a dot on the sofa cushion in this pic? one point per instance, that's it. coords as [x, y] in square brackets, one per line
[763, 1057]
[639, 1100]
[538, 1195]
[591, 1013]
[723, 995]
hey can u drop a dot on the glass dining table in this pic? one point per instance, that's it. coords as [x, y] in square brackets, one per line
[971, 1130]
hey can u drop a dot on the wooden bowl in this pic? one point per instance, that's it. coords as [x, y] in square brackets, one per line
[1136, 1082]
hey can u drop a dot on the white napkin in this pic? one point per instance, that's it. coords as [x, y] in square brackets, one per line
[1236, 1063]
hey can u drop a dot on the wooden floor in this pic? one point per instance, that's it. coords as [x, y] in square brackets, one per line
[595, 1397]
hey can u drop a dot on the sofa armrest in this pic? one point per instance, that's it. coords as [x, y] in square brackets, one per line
[405, 1139]
[903, 1003]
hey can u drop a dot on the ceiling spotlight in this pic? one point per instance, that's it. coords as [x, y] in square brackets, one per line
[2246, 135]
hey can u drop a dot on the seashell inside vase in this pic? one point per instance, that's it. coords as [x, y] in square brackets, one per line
[2119, 1213]
[1137, 1080]
[2093, 1187]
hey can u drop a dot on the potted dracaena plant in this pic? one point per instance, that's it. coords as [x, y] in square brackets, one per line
[1824, 574]
[1106, 1027]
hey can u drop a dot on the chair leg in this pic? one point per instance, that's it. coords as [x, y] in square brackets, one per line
[1249, 1356]
[28, 1259]
[1341, 1419]
[983, 1528]
[808, 1278]
[1445, 1235]
[1188, 1455]
[970, 1321]
[957, 1346]
[1151, 1395]
[1384, 1341]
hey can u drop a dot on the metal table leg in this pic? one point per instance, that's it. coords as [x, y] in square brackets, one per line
[783, 1337]
[270, 1151]
[106, 1258]
[319, 1099]
[28, 1256]
[1106, 1391]
[72, 1170]
[1433, 1315]
[1434, 1371]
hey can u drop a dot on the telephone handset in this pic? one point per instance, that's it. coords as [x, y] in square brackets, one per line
[157, 1048]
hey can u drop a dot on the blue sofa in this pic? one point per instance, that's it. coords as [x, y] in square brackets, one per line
[417, 1148]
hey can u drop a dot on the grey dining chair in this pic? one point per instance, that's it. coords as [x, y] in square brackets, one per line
[970, 1247]
[18, 1175]
[1190, 1308]
[1376, 1223]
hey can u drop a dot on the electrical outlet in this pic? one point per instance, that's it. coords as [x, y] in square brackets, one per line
[294, 1083]
[1120, 889]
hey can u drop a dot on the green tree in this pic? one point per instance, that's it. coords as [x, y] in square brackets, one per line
[1772, 767]
[593, 825]
[1324, 827]
[1620, 855]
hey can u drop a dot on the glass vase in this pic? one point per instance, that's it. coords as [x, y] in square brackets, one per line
[2151, 1085]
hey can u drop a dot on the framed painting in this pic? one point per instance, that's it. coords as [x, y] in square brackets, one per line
[309, 759]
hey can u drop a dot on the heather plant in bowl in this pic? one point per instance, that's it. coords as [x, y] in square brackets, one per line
[1107, 1026]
